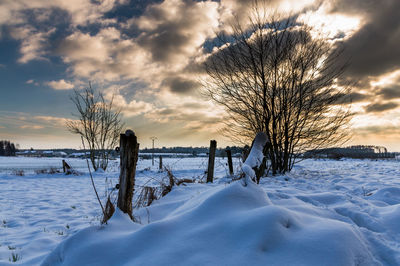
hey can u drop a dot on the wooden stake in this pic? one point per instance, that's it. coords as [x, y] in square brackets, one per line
[160, 165]
[230, 164]
[129, 149]
[211, 161]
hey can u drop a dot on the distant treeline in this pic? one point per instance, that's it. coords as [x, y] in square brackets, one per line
[192, 150]
[355, 152]
[7, 148]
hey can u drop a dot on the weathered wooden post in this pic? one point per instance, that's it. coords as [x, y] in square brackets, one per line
[211, 160]
[66, 167]
[229, 155]
[160, 165]
[129, 149]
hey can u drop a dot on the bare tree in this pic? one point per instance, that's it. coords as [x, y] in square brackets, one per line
[278, 76]
[99, 123]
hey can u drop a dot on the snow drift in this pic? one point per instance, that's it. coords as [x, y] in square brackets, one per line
[232, 225]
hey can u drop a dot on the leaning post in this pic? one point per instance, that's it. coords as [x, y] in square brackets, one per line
[66, 167]
[129, 149]
[211, 161]
[63, 165]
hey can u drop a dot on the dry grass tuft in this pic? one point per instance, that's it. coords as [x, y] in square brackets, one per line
[18, 172]
[49, 171]
[108, 211]
[146, 197]
[149, 194]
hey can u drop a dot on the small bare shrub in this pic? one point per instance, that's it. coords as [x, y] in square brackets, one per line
[50, 171]
[149, 194]
[53, 170]
[18, 172]
[109, 211]
[146, 196]
[40, 171]
[98, 123]
[15, 257]
[165, 189]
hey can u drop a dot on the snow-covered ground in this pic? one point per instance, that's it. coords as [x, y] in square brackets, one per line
[324, 212]
[8, 165]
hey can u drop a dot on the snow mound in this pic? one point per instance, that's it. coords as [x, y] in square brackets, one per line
[390, 195]
[233, 225]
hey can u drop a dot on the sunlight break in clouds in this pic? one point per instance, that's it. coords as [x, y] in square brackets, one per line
[332, 25]
[388, 79]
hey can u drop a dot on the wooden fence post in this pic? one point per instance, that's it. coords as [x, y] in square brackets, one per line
[66, 167]
[211, 160]
[129, 149]
[160, 165]
[230, 164]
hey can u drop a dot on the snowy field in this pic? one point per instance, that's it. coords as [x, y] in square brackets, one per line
[29, 165]
[324, 212]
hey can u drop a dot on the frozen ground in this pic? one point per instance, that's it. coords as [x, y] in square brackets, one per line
[323, 213]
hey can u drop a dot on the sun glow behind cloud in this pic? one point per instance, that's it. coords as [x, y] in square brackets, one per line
[387, 79]
[332, 25]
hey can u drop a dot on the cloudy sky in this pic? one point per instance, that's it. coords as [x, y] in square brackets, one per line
[149, 54]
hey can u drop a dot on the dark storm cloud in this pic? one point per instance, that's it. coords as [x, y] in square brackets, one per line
[171, 30]
[165, 39]
[390, 92]
[380, 107]
[165, 44]
[374, 49]
[180, 85]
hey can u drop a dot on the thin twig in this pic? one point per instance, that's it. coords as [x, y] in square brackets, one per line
[91, 178]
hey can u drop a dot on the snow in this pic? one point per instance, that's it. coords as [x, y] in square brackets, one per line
[255, 157]
[249, 231]
[324, 212]
[256, 154]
